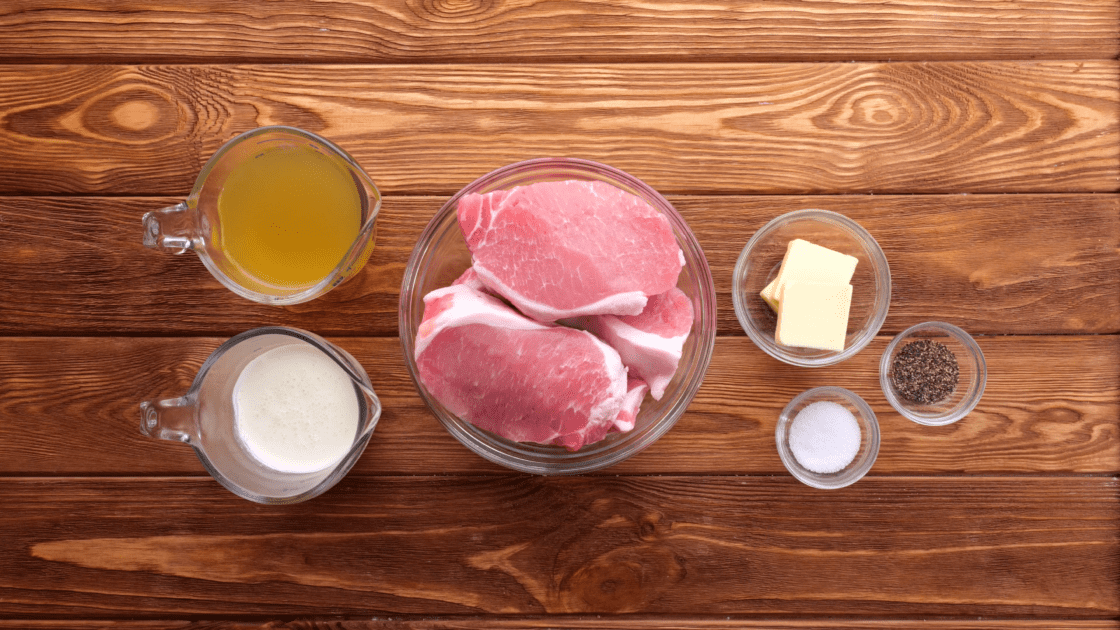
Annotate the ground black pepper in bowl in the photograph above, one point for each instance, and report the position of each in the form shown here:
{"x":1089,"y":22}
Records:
{"x":925,"y":372}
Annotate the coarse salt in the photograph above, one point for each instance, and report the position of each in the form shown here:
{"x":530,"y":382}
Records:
{"x":824,"y":437}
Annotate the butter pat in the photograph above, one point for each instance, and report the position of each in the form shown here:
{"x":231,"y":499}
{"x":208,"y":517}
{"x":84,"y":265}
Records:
{"x":814,"y":315}
{"x":806,"y":262}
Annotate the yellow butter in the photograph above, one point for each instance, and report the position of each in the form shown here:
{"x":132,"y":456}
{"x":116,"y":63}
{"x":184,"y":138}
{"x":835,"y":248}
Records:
{"x":806,"y":262}
{"x":814,"y":315}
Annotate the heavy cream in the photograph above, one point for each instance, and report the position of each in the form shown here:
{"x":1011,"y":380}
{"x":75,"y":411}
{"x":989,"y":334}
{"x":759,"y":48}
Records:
{"x":296,"y":410}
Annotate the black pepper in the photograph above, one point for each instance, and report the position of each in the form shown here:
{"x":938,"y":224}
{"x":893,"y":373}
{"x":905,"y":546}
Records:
{"x":925,"y":372}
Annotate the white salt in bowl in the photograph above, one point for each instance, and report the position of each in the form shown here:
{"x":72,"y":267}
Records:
{"x":441,"y":255}
{"x":869,"y":438}
{"x":761,"y":258}
{"x":970,"y":387}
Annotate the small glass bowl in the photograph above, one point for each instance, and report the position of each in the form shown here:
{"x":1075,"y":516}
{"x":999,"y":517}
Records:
{"x":869,"y":438}
{"x":441,"y":254}
{"x":760,"y":260}
{"x":970,"y":387}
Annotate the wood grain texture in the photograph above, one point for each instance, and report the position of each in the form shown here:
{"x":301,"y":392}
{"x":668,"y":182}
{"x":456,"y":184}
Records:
{"x":101,"y":527}
{"x":683,"y":128}
{"x":550,"y":30}
{"x":70,"y":407}
{"x":520,"y":545}
{"x":572,"y":622}
{"x":989,"y":263}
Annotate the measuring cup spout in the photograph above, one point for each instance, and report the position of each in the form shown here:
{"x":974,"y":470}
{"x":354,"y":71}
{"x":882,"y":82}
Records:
{"x":356,"y":374}
{"x":170,"y":229}
{"x":170,"y":419}
{"x":374,"y":406}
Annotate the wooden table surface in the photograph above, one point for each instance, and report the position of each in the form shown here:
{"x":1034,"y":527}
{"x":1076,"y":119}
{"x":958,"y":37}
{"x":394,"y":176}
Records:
{"x":977,"y":140}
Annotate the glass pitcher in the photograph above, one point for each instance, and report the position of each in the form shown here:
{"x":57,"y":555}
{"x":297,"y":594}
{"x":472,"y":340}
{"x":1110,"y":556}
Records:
{"x":283,"y":199}
{"x":204,"y":418}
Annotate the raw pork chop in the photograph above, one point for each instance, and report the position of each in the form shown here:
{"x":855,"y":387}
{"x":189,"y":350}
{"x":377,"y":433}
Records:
{"x":570,"y":248}
{"x":651,"y":343}
{"x":635,"y":391}
{"x":627,"y":416}
{"x":503,"y":372}
{"x":470,"y":279}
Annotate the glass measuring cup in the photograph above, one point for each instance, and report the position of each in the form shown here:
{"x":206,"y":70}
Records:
{"x":204,"y":419}
{"x":196,"y":223}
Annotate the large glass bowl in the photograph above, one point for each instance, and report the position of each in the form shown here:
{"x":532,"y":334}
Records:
{"x":441,"y":255}
{"x":761,"y":259}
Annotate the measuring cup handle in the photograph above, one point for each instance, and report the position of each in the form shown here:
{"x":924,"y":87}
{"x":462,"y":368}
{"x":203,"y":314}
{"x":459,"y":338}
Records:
{"x":169,"y":419}
{"x":171,"y":229}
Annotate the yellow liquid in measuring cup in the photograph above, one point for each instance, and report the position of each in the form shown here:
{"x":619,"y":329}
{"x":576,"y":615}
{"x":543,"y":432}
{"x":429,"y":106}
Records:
{"x":289,"y":215}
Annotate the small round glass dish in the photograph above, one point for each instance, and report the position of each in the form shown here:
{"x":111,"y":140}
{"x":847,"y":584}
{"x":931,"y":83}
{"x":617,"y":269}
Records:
{"x":761,"y":259}
{"x":970,"y":386}
{"x":869,"y":438}
{"x":441,"y":255}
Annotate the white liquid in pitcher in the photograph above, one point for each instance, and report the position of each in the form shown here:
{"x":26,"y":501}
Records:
{"x":296,"y":410}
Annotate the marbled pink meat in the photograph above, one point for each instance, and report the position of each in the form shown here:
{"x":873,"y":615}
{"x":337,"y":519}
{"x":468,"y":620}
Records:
{"x":470,"y":278}
{"x":521,"y":379}
{"x":635,"y":391}
{"x":651,"y":343}
{"x":627,"y":416}
{"x":570,"y":248}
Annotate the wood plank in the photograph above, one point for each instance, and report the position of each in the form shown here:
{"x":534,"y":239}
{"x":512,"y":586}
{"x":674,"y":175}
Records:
{"x":1042,"y":547}
{"x":1019,"y":264}
{"x":70,"y":407}
{"x":549,"y":30}
{"x":573,"y":622}
{"x":683,"y":128}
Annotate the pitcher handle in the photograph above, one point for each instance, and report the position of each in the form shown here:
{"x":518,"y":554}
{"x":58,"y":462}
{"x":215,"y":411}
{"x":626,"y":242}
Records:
{"x":170,"y":229}
{"x":169,"y":419}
